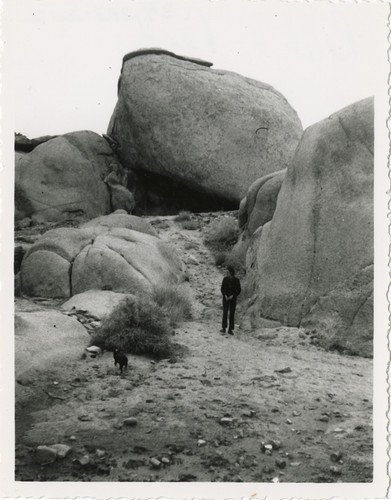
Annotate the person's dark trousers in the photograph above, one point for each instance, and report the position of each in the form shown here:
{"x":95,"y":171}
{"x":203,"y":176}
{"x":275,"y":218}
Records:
{"x":229,"y":305}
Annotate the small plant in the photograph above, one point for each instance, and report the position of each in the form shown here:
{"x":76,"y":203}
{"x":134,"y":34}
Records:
{"x":222,"y":234}
{"x":136,"y":326}
{"x":190,"y":225}
{"x":184,"y":215}
{"x":174,"y":303}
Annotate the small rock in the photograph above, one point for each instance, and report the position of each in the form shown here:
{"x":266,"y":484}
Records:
{"x":296,"y":413}
{"x":165,"y":460}
{"x":72,"y":438}
{"x":335,"y":470}
{"x":295,"y":464}
{"x":94,"y":349}
{"x":226,"y":421}
{"x":84,"y":418}
{"x":324,"y":418}
{"x":288,"y":421}
{"x":155,"y":462}
{"x":62,"y":449}
{"x":275,"y":480}
{"x":82,"y":461}
{"x":45,"y":455}
{"x":276,"y":444}
{"x":130,"y":422}
{"x":281,"y":463}
{"x":100,"y":453}
{"x":338,"y":430}
{"x":201,"y":442}
{"x":336,"y":456}
{"x":284,"y":370}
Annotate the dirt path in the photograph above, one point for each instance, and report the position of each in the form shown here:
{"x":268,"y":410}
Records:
{"x":209,"y":415}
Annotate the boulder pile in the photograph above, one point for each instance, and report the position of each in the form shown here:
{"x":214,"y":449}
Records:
{"x":122,"y":255}
{"x":312,"y":262}
{"x":71,"y":176}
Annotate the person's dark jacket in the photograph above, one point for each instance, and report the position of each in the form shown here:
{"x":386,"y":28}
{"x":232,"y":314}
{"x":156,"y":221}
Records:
{"x":231,"y":286}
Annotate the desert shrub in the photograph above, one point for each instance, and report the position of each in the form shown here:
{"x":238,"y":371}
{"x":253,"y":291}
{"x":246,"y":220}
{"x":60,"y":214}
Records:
{"x":136,"y":326}
{"x":190,"y":225}
{"x":236,"y":258}
{"x":222,"y":234}
{"x":183,"y":215}
{"x":220,"y":258}
{"x":174,"y":303}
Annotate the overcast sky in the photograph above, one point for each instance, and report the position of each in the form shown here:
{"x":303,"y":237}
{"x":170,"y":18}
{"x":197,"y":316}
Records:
{"x":64,"y":56}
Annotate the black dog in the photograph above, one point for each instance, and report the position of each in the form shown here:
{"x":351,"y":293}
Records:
{"x":120,"y":359}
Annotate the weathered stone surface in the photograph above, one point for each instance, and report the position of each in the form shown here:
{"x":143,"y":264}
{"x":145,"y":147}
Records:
{"x":63,"y":178}
{"x":180,"y":119}
{"x":45,"y":274}
{"x":43,"y":339}
{"x":122,"y":220}
{"x":102,"y":255}
{"x":125,"y":261}
{"x":259,"y":204}
{"x":343,"y":319}
{"x":99,"y":303}
{"x":321,"y":235}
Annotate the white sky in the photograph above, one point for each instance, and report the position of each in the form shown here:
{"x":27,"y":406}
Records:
{"x":65,"y":56}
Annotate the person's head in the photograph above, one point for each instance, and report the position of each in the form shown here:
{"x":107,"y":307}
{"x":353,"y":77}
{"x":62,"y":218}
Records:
{"x":231,"y":270}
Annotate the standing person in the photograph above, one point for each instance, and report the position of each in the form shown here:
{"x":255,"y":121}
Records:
{"x":230,"y":288}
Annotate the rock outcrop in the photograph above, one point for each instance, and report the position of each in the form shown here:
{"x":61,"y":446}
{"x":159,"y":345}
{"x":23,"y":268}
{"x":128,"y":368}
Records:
{"x":321,"y":236}
{"x":214,"y":132}
{"x":43,"y":339}
{"x":68,"y":261}
{"x":64,"y":178}
{"x":259,"y":204}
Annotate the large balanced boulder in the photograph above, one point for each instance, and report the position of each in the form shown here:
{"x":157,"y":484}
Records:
{"x":213,"y":131}
{"x":64,"y":178}
{"x":68,"y":261}
{"x":321,"y":234}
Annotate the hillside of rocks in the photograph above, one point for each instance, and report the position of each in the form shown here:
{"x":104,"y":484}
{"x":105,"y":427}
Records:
{"x":313,"y":262}
{"x":72,"y":176}
{"x":207,"y":131}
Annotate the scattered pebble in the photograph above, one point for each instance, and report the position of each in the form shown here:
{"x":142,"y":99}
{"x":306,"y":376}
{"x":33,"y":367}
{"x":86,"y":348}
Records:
{"x":82,"y":461}
{"x":335,"y":470}
{"x":288,"y":421}
{"x":45,"y":454}
{"x":281,"y":463}
{"x":324,"y":418}
{"x":94,"y":349}
{"x":201,"y":442}
{"x":62,"y":450}
{"x":100,"y":453}
{"x":336,"y":456}
{"x":226,"y":421}
{"x":155,"y":462}
{"x":165,"y":460}
{"x":295,"y":464}
{"x":130,"y":422}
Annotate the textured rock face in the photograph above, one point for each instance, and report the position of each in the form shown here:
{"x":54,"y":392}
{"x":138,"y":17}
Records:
{"x":99,"y":303}
{"x":321,"y":235}
{"x":200,"y":127}
{"x":259,"y":204}
{"x":43,"y":339}
{"x":69,"y":261}
{"x":64,"y":178}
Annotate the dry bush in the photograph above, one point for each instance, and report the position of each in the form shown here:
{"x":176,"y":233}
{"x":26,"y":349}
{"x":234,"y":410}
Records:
{"x":184,"y":215}
{"x":222,"y":234}
{"x":174,"y":302}
{"x":138,"y":326}
{"x":190,"y":225}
